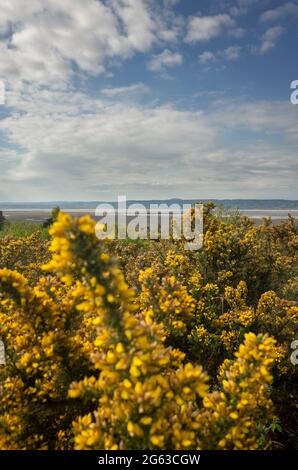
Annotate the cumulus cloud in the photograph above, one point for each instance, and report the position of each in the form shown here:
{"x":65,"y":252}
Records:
{"x":60,"y":142}
{"x":231,"y":53}
{"x":160,"y":62}
{"x":270,"y":38}
{"x":45,"y":39}
{"x":207,"y":57}
{"x":204,"y":28}
{"x":119,"y":143}
{"x":72,"y":146}
{"x":281,"y":12}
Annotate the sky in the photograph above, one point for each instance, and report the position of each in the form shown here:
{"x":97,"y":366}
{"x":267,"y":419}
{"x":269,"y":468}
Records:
{"x":151,"y":99}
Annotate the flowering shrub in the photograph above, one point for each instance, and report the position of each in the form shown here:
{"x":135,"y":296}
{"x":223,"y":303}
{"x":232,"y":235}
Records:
{"x":232,"y":420}
{"x":25,"y":255}
{"x":189,"y":357}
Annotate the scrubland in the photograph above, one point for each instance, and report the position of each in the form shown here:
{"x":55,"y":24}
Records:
{"x":113,"y":345}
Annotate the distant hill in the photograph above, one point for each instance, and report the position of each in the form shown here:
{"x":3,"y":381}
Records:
{"x":242,"y":204}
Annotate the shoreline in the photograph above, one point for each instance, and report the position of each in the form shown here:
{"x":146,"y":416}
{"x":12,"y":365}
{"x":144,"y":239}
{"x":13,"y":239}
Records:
{"x":40,"y":215}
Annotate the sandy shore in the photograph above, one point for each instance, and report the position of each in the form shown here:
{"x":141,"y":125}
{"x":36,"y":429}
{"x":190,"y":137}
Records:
{"x":40,"y":215}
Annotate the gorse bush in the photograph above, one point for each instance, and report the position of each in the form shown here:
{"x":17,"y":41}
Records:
{"x":25,"y":255}
{"x":2,"y":220}
{"x":113,"y":345}
{"x":53,"y":217}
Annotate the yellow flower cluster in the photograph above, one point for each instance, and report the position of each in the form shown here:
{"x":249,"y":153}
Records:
{"x":145,"y":401}
{"x":236,"y":416}
{"x":166,"y":301}
{"x":93,"y":363}
{"x":25,"y":255}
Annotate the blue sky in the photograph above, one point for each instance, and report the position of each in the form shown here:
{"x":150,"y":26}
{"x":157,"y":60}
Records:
{"x":148,"y":98}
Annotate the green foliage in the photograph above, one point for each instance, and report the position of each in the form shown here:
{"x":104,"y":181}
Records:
{"x":2,"y":220}
{"x":22,"y":229}
{"x":53,"y":217}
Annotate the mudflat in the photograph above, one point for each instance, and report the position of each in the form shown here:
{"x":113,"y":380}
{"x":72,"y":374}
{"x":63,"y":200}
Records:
{"x":40,"y":215}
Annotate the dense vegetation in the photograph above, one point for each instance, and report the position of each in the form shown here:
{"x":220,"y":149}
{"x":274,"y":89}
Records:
{"x":113,"y":345}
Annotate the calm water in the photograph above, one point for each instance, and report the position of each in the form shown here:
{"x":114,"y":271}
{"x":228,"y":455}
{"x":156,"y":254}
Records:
{"x":39,"y":215}
{"x":273,"y":213}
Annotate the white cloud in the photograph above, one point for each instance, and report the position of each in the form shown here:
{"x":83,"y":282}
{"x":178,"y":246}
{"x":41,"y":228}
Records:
{"x":281,"y":12}
{"x":259,"y":116}
{"x":204,"y":28}
{"x":72,"y":146}
{"x":270,"y":38}
{"x":116,"y":92}
{"x":207,"y":57}
{"x":232,"y":53}
{"x":59,"y":142}
{"x":242,"y":7}
{"x":160,"y":62}
{"x":45,"y":39}
{"x":86,"y":143}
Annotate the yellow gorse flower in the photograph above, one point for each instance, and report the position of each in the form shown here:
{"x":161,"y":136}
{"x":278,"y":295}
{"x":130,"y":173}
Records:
{"x":102,"y":365}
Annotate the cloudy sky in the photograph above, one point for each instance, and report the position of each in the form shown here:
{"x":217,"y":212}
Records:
{"x":148,"y":98}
